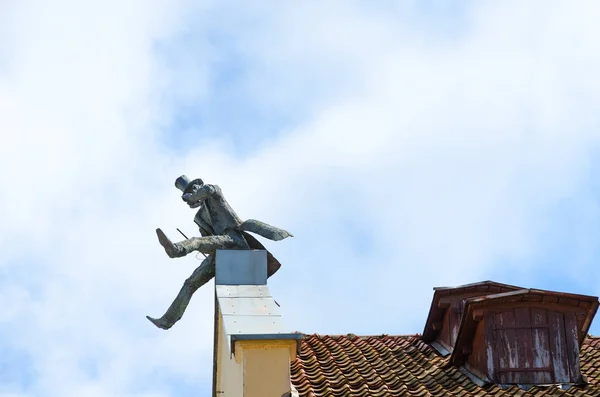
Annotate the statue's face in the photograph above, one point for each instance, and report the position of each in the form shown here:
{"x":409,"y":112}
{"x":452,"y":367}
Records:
{"x":189,"y":196}
{"x":195,"y":187}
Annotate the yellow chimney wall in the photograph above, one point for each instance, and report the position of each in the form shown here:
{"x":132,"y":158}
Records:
{"x":267,"y":367}
{"x":260,"y":368}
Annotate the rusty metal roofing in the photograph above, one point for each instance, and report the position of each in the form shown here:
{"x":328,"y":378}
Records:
{"x":406,"y":366}
{"x":480,"y":285}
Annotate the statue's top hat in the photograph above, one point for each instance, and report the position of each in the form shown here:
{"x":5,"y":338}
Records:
{"x":183,"y":183}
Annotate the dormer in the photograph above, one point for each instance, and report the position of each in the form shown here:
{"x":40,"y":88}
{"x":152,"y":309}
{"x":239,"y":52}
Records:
{"x":524,"y":337}
{"x":445,"y":314}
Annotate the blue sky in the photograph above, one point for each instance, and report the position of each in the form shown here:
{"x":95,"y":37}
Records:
{"x":406,"y":145}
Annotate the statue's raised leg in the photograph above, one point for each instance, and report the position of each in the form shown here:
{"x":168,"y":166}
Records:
{"x":206,"y":245}
{"x":199,"y":277}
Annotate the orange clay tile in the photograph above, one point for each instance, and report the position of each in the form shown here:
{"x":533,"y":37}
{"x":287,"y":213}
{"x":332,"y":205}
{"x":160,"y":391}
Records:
{"x":406,"y":366}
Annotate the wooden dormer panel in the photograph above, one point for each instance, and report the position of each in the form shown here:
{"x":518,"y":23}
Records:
{"x":532,"y":346}
{"x":451,"y":323}
{"x":527,"y":337}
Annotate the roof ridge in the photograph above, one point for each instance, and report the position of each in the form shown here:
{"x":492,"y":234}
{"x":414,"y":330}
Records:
{"x":416,"y":335}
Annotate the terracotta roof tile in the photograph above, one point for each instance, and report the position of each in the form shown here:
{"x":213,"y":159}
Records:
{"x":406,"y":366}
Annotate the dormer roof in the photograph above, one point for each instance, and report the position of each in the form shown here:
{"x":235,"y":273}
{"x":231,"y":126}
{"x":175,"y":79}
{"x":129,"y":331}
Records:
{"x":446,"y":311}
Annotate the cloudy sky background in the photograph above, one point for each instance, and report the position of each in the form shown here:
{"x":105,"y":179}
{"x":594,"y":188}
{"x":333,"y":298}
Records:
{"x":406,"y":145}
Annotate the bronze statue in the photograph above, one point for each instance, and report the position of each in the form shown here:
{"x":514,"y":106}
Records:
{"x":221,"y":228}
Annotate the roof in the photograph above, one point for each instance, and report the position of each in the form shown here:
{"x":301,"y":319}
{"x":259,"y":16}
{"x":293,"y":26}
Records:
{"x":405,"y":365}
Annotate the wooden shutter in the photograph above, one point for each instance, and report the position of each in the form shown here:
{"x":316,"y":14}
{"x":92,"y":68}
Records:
{"x":532,"y":345}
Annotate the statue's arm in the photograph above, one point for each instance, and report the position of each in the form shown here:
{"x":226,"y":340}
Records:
{"x":195,"y":198}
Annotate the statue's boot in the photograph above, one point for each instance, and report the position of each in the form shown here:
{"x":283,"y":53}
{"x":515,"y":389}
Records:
{"x":174,"y":250}
{"x":160,"y":322}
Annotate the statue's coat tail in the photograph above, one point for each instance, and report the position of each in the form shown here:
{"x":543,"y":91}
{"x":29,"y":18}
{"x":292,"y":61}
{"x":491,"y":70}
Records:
{"x":272,"y":263}
{"x":265,"y":230}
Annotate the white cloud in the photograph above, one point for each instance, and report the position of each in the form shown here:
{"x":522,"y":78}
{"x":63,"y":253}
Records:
{"x":421,"y":153}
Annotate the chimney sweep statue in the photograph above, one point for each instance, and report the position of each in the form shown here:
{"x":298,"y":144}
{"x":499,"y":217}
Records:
{"x":220,"y":228}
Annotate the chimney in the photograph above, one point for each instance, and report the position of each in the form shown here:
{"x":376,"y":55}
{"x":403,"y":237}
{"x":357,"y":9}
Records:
{"x":511,"y":335}
{"x":253,"y":349}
